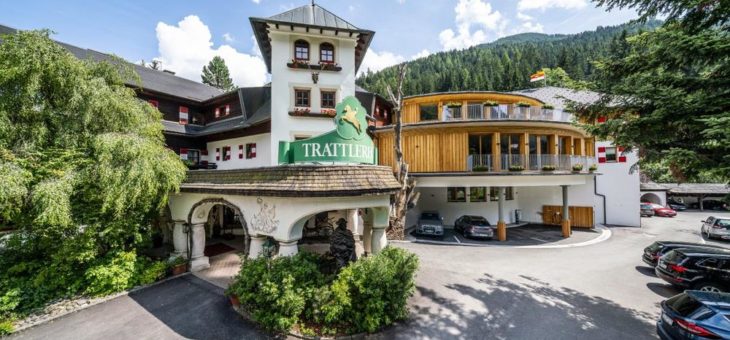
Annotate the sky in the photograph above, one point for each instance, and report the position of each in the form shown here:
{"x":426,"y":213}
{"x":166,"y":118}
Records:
{"x":185,"y":34}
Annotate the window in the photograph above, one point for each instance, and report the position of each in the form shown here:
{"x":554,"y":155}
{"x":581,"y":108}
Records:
{"x":429,"y":112}
{"x":226,"y":153}
{"x":250,"y":150}
{"x":480,"y":144}
{"x":328,"y":99}
{"x":301,"y":50}
{"x":222,"y":111}
{"x":301,"y":98}
{"x":611,"y":154}
{"x":509,"y":194}
{"x":194,"y":156}
{"x":326,"y":53}
{"x":475,"y":111}
{"x":477,"y":194}
{"x":457,"y":194}
{"x":510,"y":144}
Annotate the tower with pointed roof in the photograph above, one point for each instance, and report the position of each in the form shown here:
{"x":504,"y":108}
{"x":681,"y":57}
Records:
{"x":313,"y":56}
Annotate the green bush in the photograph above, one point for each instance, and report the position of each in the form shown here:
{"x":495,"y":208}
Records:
{"x":112,"y":273}
{"x":148,"y":271}
{"x":6,"y":327}
{"x":365,"y":296}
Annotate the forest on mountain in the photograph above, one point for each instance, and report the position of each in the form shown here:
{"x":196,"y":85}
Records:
{"x":506,"y":63}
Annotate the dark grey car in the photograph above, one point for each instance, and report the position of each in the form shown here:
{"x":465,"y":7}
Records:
{"x":474,"y":226}
{"x":430,"y":223}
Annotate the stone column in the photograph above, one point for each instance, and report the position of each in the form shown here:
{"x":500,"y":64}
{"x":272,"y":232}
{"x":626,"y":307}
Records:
{"x":288,"y":248}
{"x":180,"y":239}
{"x":566,"y":213}
{"x":256,"y":248}
{"x":501,"y":225}
{"x":353,"y":223}
{"x":198,"y":259}
{"x":380,"y":223}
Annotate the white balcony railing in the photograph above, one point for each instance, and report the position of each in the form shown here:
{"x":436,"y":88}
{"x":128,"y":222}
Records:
{"x":508,"y":112}
{"x":485,"y":162}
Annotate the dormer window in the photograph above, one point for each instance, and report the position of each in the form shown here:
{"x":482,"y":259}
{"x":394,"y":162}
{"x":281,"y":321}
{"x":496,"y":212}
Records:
{"x":326,"y":53}
{"x":301,"y":50}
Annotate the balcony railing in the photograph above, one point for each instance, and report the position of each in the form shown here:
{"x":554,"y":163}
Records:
{"x":508,"y":112}
{"x":485,"y":162}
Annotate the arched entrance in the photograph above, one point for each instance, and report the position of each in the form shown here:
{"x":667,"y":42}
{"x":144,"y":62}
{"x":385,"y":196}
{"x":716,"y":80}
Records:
{"x":651,"y":198}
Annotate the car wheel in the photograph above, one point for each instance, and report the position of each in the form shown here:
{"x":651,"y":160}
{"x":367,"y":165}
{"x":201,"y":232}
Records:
{"x":709,"y":287}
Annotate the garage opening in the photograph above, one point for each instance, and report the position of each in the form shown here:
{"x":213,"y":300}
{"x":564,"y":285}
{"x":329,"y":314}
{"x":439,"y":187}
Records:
{"x":651,"y":198}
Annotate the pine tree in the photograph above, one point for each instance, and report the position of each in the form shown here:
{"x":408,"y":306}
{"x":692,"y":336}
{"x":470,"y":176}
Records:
{"x":216,"y":74}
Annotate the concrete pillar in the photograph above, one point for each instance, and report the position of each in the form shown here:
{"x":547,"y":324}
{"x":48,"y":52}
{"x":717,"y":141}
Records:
{"x":353,"y":223}
{"x":378,"y":240}
{"x":288,"y":248}
{"x":257,"y":246}
{"x":501,"y":225}
{"x":367,"y":231}
{"x":180,"y":240}
{"x":566,"y":213}
{"x":198,"y":259}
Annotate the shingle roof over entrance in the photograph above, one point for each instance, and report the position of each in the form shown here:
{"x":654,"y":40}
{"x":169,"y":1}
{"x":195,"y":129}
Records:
{"x":295,"y":181}
{"x":313,"y":15}
{"x":688,"y":188}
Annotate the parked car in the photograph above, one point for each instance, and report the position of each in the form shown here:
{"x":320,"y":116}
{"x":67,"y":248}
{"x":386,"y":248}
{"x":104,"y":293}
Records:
{"x":661,"y":210}
{"x":702,"y":269}
{"x":716,"y":227}
{"x":676,"y":205}
{"x":653,"y":252}
{"x":474,"y":226}
{"x":430,"y":223}
{"x":695,"y":315}
{"x":646,"y":210}
{"x":710,"y":205}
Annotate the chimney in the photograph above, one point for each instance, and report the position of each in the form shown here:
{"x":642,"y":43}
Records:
{"x":168,"y":71}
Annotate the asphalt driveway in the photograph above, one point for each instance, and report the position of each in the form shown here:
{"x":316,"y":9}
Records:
{"x":526,"y":235}
{"x":185,"y":307}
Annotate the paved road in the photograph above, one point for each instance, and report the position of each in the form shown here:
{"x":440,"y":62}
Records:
{"x":186,"y":307}
{"x":602,"y":291}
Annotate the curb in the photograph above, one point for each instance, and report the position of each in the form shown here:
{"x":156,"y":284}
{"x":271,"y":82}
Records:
{"x":96,"y":302}
{"x":605,"y":235}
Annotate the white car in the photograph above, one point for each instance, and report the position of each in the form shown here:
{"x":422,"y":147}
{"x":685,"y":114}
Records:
{"x":716,"y":227}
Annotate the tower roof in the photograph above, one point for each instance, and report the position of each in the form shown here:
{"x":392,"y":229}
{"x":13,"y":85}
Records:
{"x":314,"y":17}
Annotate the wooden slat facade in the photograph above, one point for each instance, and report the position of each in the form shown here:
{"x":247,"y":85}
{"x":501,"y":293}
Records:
{"x":580,"y":217}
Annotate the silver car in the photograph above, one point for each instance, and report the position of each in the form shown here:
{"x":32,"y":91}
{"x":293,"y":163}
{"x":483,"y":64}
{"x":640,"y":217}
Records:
{"x":716,"y":227}
{"x":430,"y":223}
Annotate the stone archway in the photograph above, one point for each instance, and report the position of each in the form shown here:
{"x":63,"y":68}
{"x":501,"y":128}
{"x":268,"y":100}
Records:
{"x":651,"y":198}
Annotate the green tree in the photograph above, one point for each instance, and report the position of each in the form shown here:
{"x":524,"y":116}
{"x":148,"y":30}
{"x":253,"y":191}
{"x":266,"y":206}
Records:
{"x":667,"y":92}
{"x":216,"y":74}
{"x":83,"y":168}
{"x":558,"y":77}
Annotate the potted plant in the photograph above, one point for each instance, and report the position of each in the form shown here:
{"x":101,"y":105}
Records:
{"x":577,"y":167}
{"x":548,"y":168}
{"x":516,"y":168}
{"x":480,"y":168}
{"x":454,"y":104}
{"x":301,"y":111}
{"x":178,"y":265}
{"x":298,"y":64}
{"x":491,"y":103}
{"x":328,"y":66}
{"x":329,"y":112}
{"x":592,"y":168}
{"x":522,"y":104}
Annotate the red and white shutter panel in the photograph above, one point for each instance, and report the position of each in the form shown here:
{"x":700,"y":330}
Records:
{"x":228,"y":110}
{"x":217,"y":154}
{"x":226,"y":153}
{"x":601,"y":119}
{"x":253,"y":150}
{"x":601,"y":154}
{"x":154,"y":103}
{"x":204,"y":155}
{"x":184,"y":154}
{"x":217,"y":112}
{"x":183,"y":115}
{"x":240,"y":151}
{"x":620,"y":152}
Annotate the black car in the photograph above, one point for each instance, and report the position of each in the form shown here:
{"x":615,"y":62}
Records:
{"x":695,"y":315}
{"x":676,"y":205}
{"x":473,"y":226}
{"x":702,"y":269}
{"x":653,"y":252}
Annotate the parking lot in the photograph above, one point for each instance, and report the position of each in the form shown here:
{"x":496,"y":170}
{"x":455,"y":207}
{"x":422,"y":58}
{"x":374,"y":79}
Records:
{"x":525,"y":235}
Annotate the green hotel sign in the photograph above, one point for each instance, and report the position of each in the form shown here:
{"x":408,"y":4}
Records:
{"x":348,"y":143}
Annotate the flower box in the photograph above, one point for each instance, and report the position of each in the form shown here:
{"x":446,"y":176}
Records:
{"x":516,"y":168}
{"x":548,"y":168}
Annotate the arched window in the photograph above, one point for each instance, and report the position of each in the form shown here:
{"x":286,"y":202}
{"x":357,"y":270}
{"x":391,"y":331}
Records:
{"x":326,"y":53}
{"x":301,"y":50}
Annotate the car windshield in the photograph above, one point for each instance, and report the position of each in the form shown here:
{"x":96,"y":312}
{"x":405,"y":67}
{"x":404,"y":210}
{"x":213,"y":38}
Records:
{"x":478,"y":220}
{"x":430,"y":216}
{"x":683,"y":304}
{"x":646,"y":206}
{"x":723,"y":223}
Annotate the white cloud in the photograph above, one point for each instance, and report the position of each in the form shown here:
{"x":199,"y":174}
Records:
{"x":472,"y":13}
{"x":187,"y":47}
{"x":228,"y":38}
{"x":375,"y":61}
{"x":256,"y":1}
{"x":529,"y":24}
{"x":545,"y":4}
{"x":424,"y":53}
{"x":524,"y":17}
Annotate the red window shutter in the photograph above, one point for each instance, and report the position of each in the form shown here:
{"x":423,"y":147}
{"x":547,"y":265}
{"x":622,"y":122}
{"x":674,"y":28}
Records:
{"x":183,"y":150}
{"x":217,"y":112}
{"x":240,"y":152}
{"x":204,"y":152}
{"x":601,"y":149}
{"x":228,"y":110}
{"x":601,"y":119}
{"x":183,"y":114}
{"x":601,"y":159}
{"x":620,"y":149}
{"x":154,"y":103}
{"x":217,"y":154}
{"x":622,"y":159}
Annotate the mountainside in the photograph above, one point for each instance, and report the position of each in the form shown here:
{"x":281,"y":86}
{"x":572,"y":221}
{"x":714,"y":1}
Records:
{"x":505,"y":64}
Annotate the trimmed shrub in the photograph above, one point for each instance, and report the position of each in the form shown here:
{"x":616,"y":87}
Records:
{"x":6,"y":327}
{"x":365,"y":296}
{"x":112,"y":273}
